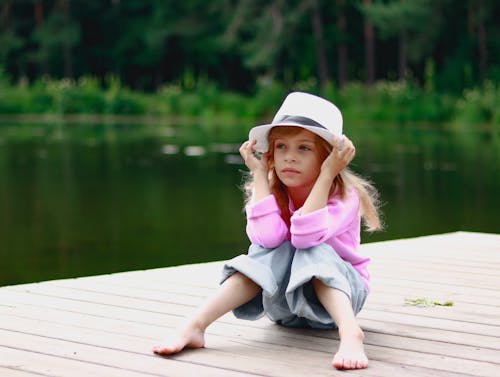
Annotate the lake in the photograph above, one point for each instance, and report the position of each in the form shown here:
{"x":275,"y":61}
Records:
{"x":89,"y":198}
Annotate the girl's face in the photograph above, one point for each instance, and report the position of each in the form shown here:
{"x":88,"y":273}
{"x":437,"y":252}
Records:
{"x":297,"y":158}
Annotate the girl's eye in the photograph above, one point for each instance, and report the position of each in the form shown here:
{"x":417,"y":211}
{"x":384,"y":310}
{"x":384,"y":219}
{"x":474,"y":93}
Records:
{"x":304,"y":148}
{"x":280,"y":145}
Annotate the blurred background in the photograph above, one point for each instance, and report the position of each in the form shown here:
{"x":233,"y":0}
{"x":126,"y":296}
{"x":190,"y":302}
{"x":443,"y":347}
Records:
{"x":120,"y":120}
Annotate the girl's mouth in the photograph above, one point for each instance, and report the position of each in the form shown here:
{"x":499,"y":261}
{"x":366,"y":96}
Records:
{"x":290,"y":170}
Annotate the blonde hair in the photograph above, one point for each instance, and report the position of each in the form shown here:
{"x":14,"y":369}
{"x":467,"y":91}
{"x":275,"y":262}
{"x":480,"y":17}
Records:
{"x":342,"y":183}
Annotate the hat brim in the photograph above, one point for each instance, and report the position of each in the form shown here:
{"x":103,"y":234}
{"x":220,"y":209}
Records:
{"x":261,"y":133}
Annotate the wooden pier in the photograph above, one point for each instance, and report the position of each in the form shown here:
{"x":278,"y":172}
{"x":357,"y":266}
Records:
{"x":106,"y":325}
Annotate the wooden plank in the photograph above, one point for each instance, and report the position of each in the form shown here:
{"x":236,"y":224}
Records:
{"x":476,"y":313}
{"x":111,"y":321}
{"x":375,"y":342}
{"x":14,"y":372}
{"x":443,"y":278}
{"x":404,"y":257}
{"x":45,"y":364}
{"x":432,"y":334}
{"x":380,"y":285}
{"x":151,"y":331}
{"x":285,"y":360}
{"x":436,"y":319}
{"x":476,"y":324}
{"x":215,"y":360}
{"x":430,"y":322}
{"x":383,"y":294}
{"x":468,"y":294}
{"x":295,"y":340}
{"x":104,"y":361}
{"x":415,"y":269}
{"x":449,"y":314}
{"x":485,"y":311}
{"x":479,"y":313}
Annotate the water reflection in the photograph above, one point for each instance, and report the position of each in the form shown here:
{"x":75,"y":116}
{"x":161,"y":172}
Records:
{"x":88,"y":199}
{"x":170,"y":149}
{"x":195,"y":150}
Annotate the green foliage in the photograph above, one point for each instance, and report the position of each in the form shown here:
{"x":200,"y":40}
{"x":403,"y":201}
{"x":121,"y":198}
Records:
{"x":479,"y":105}
{"x":150,"y":44}
{"x":72,"y":97}
{"x":398,"y":16}
{"x":55,"y":37}
{"x":393,"y":102}
{"x":385,"y":102}
{"x":10,"y":43}
{"x":121,"y":100}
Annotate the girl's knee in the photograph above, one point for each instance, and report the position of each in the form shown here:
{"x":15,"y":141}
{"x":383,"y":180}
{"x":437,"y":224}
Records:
{"x":317,"y":283}
{"x":319,"y":286}
{"x":242,"y":280}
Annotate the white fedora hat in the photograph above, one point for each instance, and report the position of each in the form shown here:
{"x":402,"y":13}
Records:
{"x":302,"y":110}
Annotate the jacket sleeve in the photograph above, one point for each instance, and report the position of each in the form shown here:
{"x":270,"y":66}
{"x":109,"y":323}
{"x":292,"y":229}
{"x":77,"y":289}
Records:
{"x":265,"y":226}
{"x":314,"y":228}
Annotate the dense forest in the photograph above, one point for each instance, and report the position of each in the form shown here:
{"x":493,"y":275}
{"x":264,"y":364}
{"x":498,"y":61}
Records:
{"x":449,"y":44}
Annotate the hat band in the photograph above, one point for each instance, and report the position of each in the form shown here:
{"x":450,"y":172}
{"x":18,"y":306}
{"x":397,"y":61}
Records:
{"x":299,"y":119}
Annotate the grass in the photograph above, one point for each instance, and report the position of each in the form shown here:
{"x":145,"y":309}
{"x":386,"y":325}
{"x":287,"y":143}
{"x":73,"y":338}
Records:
{"x":426,"y":302}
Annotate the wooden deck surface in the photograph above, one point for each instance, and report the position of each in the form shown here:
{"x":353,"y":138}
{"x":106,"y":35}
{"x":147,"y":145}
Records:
{"x":106,"y":325}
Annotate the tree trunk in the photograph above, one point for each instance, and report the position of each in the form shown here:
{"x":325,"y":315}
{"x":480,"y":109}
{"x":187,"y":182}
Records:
{"x":67,"y":48}
{"x":403,"y":55}
{"x":369,"y":48}
{"x":342,"y":48}
{"x":277,"y":29}
{"x":322,"y":63}
{"x":481,"y":39}
{"x":5,"y":15}
{"x":476,"y":15}
{"x":38,"y":12}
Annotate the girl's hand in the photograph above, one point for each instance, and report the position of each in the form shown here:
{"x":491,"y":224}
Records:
{"x":257,"y":163}
{"x":339,"y":158}
{"x":253,"y":160}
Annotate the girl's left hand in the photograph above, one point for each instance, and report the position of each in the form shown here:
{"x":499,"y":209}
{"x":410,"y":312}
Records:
{"x":342,"y":154}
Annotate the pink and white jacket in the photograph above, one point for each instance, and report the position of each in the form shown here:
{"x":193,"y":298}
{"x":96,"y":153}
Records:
{"x":338,"y":224}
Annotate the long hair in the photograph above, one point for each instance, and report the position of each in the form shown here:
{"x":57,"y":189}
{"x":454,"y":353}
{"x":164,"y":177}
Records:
{"x":342,"y":183}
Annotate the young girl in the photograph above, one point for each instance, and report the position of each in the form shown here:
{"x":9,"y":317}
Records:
{"x":304,"y":209}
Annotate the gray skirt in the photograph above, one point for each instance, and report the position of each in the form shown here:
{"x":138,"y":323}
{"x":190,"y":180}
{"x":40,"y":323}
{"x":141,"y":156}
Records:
{"x":284,"y":274}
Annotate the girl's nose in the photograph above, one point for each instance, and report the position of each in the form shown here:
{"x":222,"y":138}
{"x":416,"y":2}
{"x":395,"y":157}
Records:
{"x":290,"y":155}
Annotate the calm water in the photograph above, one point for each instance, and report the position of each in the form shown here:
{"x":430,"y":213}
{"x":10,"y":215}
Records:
{"x":85,"y":199}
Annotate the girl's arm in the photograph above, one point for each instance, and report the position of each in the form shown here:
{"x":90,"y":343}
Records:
{"x":337,"y":160}
{"x":265,"y":225}
{"x":340,"y":218}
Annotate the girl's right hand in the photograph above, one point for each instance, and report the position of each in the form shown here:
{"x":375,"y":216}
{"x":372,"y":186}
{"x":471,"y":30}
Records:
{"x":253,"y":161}
{"x":342,"y":154}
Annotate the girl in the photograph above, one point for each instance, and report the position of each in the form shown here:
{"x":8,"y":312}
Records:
{"x":304,"y":209}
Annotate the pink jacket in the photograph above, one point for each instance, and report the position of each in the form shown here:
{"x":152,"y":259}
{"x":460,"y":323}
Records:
{"x":338,"y":225}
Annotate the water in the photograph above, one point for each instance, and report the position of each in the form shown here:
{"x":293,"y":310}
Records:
{"x":86,"y":199}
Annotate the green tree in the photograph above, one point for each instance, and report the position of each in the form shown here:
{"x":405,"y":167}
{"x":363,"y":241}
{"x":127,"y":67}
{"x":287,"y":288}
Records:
{"x":319,"y":41}
{"x":238,"y":43}
{"x":404,"y":19}
{"x":479,"y":15}
{"x":369,"y":38}
{"x":11,"y":43}
{"x":56,"y":37}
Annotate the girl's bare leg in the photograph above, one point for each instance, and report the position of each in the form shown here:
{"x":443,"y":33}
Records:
{"x":235,"y":291}
{"x":351,"y":353}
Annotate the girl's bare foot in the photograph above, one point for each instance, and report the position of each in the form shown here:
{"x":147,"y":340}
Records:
{"x":191,"y":337}
{"x":351,"y":353}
